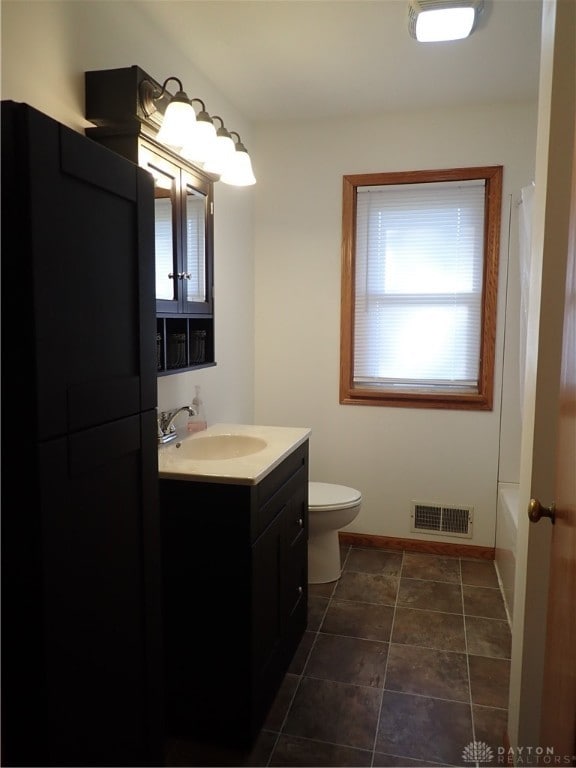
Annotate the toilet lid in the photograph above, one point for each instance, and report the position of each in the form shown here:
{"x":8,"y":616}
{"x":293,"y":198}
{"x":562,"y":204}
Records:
{"x":330,"y":496}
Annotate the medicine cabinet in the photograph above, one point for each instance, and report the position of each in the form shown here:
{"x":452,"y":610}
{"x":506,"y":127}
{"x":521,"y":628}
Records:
{"x":184,"y":215}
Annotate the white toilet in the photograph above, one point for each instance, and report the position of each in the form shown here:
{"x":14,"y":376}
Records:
{"x":330,"y":507}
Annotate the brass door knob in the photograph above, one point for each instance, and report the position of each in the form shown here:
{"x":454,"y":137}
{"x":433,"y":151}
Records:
{"x":536,"y":511}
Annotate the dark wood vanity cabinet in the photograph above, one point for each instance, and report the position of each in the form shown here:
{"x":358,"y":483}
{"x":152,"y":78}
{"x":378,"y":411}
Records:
{"x":235,"y":598}
{"x":183,"y":216}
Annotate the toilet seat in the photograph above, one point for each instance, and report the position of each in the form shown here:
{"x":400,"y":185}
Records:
{"x":326,"y":496}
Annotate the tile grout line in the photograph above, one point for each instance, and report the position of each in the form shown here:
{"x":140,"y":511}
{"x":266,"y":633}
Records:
{"x":468,"y":637}
{"x":472,"y":720}
{"x":503,"y":596}
{"x":387,"y":661}
{"x":305,"y":664}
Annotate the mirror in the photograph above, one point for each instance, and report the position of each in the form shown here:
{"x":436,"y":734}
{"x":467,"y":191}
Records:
{"x":195,"y":258}
{"x":163,"y":243}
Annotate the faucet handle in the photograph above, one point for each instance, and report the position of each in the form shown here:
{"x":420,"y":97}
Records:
{"x":163,"y":420}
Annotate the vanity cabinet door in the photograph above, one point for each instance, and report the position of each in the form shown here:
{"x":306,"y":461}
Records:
{"x":267,"y":615}
{"x":295,"y":578}
{"x":280,"y":589}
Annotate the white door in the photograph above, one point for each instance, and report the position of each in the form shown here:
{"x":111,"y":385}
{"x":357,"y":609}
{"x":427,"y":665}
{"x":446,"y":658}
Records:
{"x":538,"y":544}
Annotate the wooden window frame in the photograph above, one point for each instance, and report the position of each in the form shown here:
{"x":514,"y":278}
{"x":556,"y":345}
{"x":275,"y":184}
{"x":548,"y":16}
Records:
{"x":482,"y":399}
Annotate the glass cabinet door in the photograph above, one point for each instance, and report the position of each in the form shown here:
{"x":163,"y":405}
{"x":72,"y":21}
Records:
{"x":196,"y":286}
{"x":169,"y":278}
{"x":183,"y":236}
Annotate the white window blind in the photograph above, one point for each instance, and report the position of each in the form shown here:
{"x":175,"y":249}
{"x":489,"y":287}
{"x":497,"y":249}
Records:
{"x":418,"y":285}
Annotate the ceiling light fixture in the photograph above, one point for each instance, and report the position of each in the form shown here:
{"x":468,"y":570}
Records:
{"x":442,"y":20}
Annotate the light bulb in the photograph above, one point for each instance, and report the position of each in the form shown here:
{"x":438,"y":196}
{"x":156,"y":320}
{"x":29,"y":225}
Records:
{"x":444,"y":24}
{"x":199,"y":141}
{"x":239,"y":171}
{"x":221,"y":152}
{"x":178,"y":122}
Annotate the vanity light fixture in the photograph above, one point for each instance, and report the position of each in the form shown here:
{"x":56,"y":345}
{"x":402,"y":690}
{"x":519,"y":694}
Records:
{"x":442,"y":20}
{"x":239,"y":171}
{"x":194,"y":135}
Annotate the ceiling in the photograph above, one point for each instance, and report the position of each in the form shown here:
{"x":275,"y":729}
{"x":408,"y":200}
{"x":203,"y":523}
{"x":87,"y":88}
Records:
{"x":306,"y":59}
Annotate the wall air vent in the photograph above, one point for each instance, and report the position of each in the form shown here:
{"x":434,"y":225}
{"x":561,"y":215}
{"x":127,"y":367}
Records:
{"x":441,"y":519}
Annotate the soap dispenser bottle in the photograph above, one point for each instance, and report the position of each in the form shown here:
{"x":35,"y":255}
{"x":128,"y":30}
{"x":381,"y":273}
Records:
{"x":198,"y":422}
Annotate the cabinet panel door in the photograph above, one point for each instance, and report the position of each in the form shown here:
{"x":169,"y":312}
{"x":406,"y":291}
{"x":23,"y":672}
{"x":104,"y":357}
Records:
{"x":78,"y":639}
{"x":267,"y":618}
{"x":77,"y":239}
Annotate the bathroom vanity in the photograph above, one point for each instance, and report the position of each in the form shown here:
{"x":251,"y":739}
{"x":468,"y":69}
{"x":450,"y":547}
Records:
{"x":234,"y":540}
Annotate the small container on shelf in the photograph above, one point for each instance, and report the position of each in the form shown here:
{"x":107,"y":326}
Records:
{"x":177,"y":350}
{"x":197,"y":346}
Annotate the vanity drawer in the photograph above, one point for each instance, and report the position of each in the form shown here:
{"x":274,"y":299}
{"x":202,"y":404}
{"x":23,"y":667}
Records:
{"x":296,"y":515}
{"x":270,"y":485}
{"x":293,"y":488}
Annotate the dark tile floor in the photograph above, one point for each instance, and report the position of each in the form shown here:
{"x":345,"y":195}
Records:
{"x":405,"y":662}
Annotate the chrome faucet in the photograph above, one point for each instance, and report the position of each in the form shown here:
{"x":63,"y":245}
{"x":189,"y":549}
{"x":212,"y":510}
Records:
{"x":166,"y":428}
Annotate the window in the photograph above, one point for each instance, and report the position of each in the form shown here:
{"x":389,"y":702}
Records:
{"x":419,"y":288}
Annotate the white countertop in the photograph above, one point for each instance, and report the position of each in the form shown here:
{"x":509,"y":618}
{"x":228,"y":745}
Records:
{"x":242,"y":470}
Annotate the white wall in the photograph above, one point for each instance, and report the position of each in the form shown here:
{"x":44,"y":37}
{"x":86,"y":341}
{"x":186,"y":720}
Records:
{"x":286,"y":304}
{"x":392,"y":455}
{"x":46,"y":48}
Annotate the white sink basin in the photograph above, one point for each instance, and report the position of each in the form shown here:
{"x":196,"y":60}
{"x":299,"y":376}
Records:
{"x":240,"y":454}
{"x":220,"y":447}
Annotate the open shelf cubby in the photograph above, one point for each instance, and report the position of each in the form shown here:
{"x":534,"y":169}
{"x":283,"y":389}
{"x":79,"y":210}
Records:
{"x":184,"y":343}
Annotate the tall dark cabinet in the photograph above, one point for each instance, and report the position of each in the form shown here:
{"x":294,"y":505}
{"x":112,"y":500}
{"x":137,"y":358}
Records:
{"x":81,"y":631}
